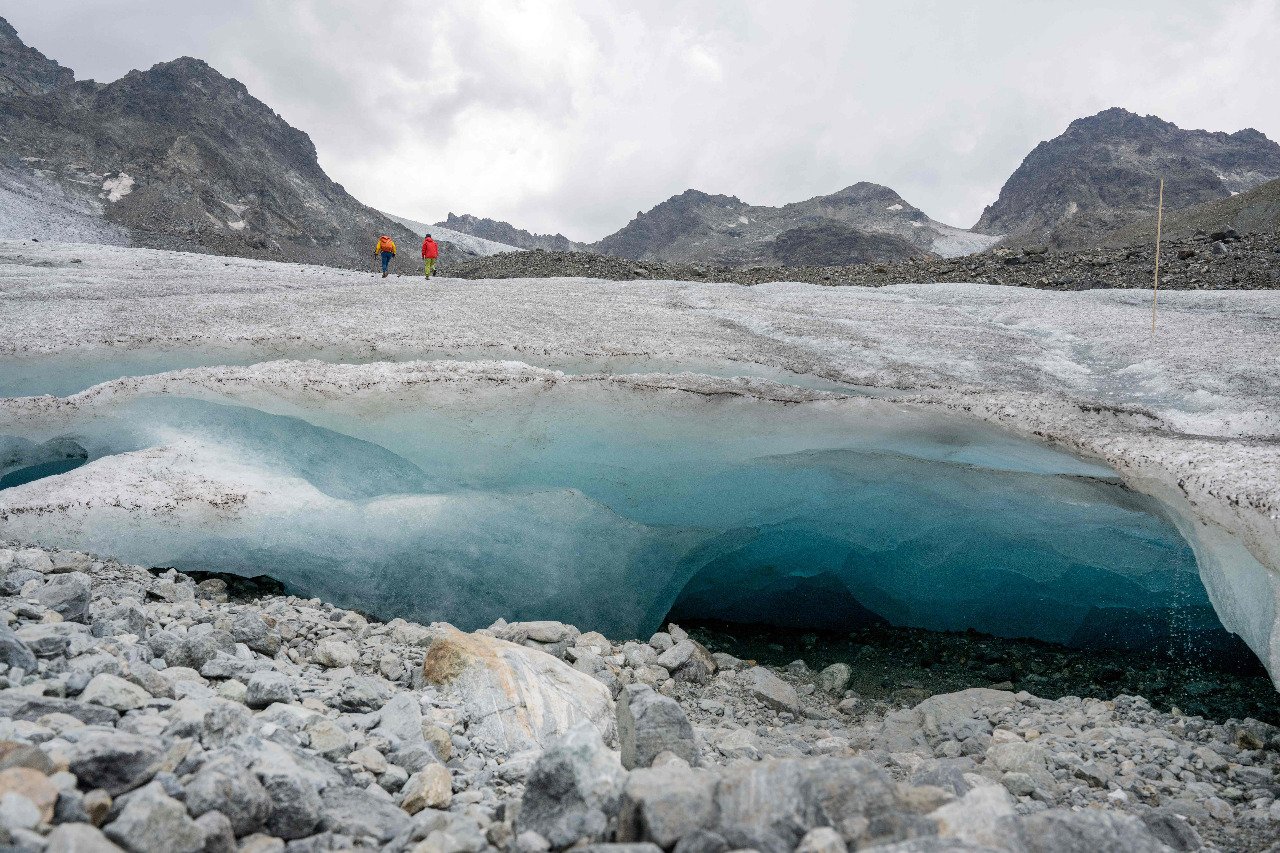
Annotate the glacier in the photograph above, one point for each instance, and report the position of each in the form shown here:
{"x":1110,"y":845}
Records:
{"x":1022,"y":462}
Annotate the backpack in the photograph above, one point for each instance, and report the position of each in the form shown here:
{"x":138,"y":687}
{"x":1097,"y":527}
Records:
{"x":385,"y":244}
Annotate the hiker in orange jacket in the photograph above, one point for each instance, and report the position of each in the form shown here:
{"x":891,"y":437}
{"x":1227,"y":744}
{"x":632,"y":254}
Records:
{"x":386,"y":248}
{"x":430,"y":251}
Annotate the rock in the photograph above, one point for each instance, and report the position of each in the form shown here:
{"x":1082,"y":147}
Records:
{"x":14,"y":754}
{"x":268,"y":687}
{"x":431,"y":787}
{"x":768,"y":688}
{"x":32,"y":785}
{"x":17,"y":813}
{"x":401,"y":718}
{"x":328,"y":738}
{"x":1172,"y":829}
{"x":79,"y":838}
{"x":545,"y":631}
{"x":976,"y":817}
{"x":822,"y":839}
{"x":154,"y":822}
{"x":1022,"y":758}
{"x":14,"y":652}
{"x":537,"y":697}
{"x":573,"y":789}
{"x":369,"y":759}
{"x":360,"y":814}
{"x":634,"y":847}
{"x":251,"y":629}
{"x":362,"y":694}
{"x":649,"y":723}
{"x":67,"y":595}
{"x":1091,"y":831}
{"x":97,"y":804}
{"x":334,"y":654}
{"x":740,"y":744}
{"x":771,"y":805}
{"x":219,"y":837}
{"x":702,"y":841}
{"x":111,"y":691}
{"x":225,"y":784}
{"x":663,"y":805}
{"x":295,"y":803}
{"x":32,"y":708}
{"x":835,"y":678}
{"x":50,"y":639}
{"x":955,"y":716}
{"x":115,"y":761}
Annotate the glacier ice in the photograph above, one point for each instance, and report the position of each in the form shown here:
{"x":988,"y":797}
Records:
{"x":472,"y":492}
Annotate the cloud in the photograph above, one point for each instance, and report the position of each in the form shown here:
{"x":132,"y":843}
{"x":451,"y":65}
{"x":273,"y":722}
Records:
{"x":570,"y":116}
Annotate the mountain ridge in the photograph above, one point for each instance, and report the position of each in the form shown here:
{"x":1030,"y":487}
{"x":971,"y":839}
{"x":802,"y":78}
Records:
{"x":1103,"y":173}
{"x":183,"y":157}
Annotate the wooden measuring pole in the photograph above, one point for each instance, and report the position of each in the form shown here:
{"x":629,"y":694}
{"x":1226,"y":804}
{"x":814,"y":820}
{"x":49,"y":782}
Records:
{"x":1155,"y":285}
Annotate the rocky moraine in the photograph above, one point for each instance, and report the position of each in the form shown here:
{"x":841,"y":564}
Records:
{"x":145,"y":711}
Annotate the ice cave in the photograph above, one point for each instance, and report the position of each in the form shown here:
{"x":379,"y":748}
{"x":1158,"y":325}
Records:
{"x":472,"y":491}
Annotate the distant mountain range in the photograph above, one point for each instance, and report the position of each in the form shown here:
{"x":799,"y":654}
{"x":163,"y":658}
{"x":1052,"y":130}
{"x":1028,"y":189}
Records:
{"x":181,"y":157}
{"x":1091,"y":185}
{"x":175,"y":157}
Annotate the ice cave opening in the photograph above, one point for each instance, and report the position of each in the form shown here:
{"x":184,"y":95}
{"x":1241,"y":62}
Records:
{"x":613,"y":504}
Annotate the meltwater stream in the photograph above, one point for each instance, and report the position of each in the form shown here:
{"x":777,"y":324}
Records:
{"x":610,"y":504}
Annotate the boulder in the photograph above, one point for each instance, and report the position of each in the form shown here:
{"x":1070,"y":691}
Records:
{"x":112,"y":691}
{"x":334,"y":654}
{"x":513,"y":696}
{"x":650,"y":723}
{"x":268,"y":687}
{"x":115,"y":761}
{"x":1089,"y":831}
{"x":360,"y":814}
{"x":22,"y":706}
{"x":33,"y":785}
{"x":68,"y":595}
{"x":665,"y":804}
{"x":769,"y":689}
{"x":225,"y":784}
{"x":429,"y":788}
{"x":835,"y":678}
{"x":976,"y":817}
{"x":14,"y":652}
{"x":154,"y":822}
{"x":79,"y":838}
{"x":771,"y":805}
{"x":573,"y":789}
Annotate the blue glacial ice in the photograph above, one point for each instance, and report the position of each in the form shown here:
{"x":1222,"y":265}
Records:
{"x":611,"y":504}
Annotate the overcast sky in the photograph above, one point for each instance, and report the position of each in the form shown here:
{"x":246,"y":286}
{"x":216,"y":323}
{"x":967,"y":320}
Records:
{"x":571,"y":116}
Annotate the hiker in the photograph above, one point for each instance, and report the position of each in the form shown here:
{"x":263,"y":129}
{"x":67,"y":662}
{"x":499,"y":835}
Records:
{"x":430,"y":251}
{"x":386,"y":247}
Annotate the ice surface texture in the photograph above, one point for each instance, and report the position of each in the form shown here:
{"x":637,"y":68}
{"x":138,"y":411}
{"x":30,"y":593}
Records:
{"x":1190,"y":416}
{"x":466,"y":493}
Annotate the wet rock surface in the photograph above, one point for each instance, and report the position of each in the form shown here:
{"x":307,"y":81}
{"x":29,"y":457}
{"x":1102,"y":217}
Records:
{"x":106,"y":743}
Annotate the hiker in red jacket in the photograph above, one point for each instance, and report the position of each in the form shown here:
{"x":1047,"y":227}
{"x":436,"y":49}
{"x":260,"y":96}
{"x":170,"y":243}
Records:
{"x":430,"y":251}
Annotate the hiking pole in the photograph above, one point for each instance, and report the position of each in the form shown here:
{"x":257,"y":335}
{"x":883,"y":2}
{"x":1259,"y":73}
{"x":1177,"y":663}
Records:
{"x":1155,"y":284}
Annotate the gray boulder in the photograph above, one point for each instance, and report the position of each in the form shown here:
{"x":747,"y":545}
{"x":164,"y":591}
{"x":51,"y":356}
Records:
{"x":362,"y":694}
{"x":768,"y":688}
{"x":68,"y":595}
{"x":79,"y":838}
{"x":154,"y":822}
{"x":835,"y":678}
{"x":251,"y":629}
{"x":665,"y":804}
{"x":573,"y":789}
{"x":268,"y":687}
{"x":770,"y":806}
{"x":115,"y":761}
{"x":1089,"y":831}
{"x":17,"y":706}
{"x":296,"y":804}
{"x":14,"y":652}
{"x":225,"y":784}
{"x":360,"y":814}
{"x":650,"y":723}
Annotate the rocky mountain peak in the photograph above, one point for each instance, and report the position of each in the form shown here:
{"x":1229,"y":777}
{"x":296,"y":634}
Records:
{"x":1103,"y":171}
{"x":504,"y":232}
{"x":25,"y":70}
